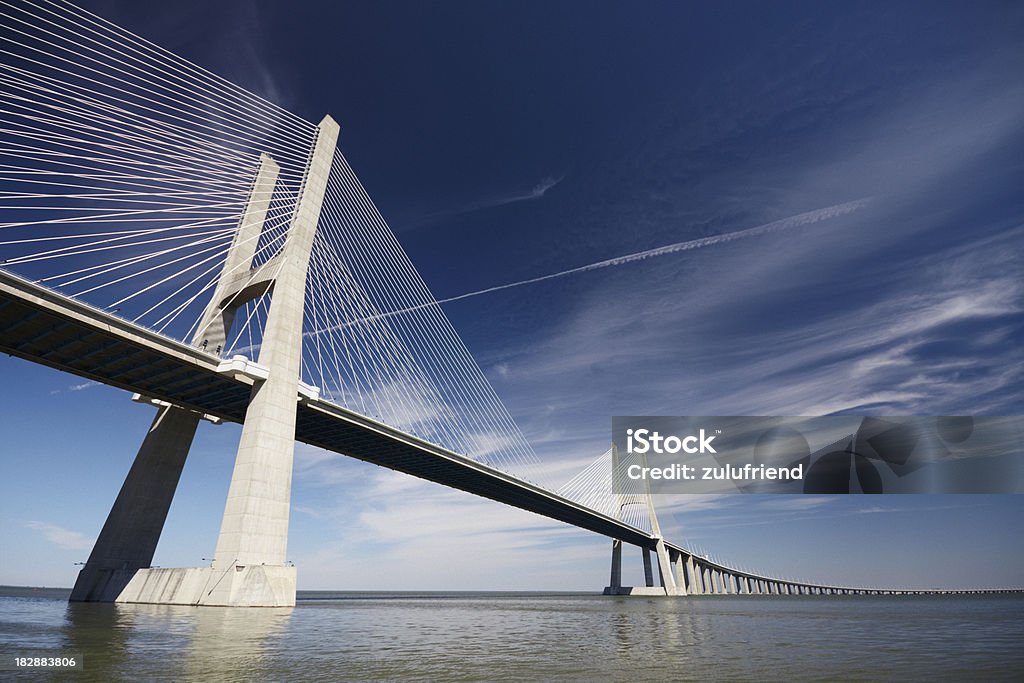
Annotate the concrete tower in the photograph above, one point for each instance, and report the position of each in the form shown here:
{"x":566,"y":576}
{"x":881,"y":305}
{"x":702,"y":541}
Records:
{"x":249,"y":567}
{"x":667,"y":577}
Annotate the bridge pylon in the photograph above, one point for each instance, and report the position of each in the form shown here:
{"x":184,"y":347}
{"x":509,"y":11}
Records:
{"x":249,"y":566}
{"x":667,"y":584}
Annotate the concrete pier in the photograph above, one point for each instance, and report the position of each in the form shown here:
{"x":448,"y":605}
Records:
{"x":133,"y":527}
{"x":130,"y":534}
{"x":254,"y":530}
{"x":249,"y":566}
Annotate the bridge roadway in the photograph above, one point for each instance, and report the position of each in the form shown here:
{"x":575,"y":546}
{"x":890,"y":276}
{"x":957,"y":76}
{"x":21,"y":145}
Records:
{"x":46,"y":327}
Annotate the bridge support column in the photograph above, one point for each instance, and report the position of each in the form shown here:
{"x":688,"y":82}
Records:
{"x":249,"y":567}
{"x":129,"y":537}
{"x":668,"y":579}
{"x":616,"y":578}
{"x":254,"y":530}
{"x":695,"y":586}
{"x":668,"y":569}
{"x":648,"y":570}
{"x":676,"y":560}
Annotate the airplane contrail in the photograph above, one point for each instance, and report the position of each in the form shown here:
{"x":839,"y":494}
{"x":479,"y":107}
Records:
{"x":782,"y":224}
{"x":798,"y":220}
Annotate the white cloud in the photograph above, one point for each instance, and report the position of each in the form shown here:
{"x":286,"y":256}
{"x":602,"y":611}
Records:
{"x":799,"y":503}
{"x":77,"y":387}
{"x":538,"y":191}
{"x":65,"y":538}
{"x":430,"y":536}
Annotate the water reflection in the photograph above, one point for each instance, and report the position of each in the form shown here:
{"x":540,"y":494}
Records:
{"x":183,"y":642}
{"x":232,"y":644}
{"x":100,"y":633}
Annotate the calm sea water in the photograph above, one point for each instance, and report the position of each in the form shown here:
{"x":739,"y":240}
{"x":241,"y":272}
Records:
{"x":517,"y":636}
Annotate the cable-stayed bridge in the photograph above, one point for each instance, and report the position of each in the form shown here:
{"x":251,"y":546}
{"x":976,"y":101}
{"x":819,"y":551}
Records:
{"x":169,"y":233}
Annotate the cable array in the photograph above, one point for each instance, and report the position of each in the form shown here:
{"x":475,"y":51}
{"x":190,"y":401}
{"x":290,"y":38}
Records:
{"x":378,"y":343}
{"x":124,"y":169}
{"x":604,"y":487}
{"x":125,"y":175}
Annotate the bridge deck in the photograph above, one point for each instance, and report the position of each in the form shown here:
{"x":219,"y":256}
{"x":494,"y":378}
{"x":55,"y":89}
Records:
{"x":45,"y":327}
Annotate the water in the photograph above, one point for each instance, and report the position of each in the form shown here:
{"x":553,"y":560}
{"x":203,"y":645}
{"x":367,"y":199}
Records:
{"x":518,"y":636}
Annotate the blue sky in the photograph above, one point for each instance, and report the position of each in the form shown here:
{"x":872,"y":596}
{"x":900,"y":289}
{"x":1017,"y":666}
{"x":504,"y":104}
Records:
{"x":506,"y":141}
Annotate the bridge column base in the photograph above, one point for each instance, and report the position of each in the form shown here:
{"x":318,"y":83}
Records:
{"x":636,"y":590}
{"x":238,"y":586}
{"x":100,"y":585}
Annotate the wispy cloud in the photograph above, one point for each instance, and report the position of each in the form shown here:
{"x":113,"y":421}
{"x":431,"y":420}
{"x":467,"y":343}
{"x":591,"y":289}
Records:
{"x":798,"y":503}
{"x":65,"y":538}
{"x":905,"y":345}
{"x":457,"y":539}
{"x":538,"y":191}
{"x":77,"y":387}
{"x":874,"y":509}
